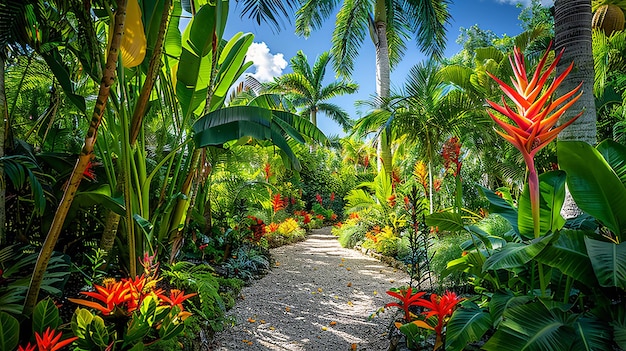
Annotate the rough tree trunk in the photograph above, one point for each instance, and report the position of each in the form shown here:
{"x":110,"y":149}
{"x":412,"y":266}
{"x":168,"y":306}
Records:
{"x":85,"y":156}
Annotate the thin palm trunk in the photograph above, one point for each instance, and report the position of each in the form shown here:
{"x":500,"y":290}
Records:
{"x":3,"y":118}
{"x":384,"y":154}
{"x":84,"y":158}
{"x":572,"y":22}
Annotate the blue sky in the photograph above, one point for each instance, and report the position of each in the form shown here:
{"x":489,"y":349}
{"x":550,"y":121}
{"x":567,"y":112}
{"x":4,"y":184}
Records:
{"x":271,"y":51}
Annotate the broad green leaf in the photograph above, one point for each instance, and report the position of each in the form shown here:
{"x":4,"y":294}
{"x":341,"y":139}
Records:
{"x":448,"y":221}
{"x":592,"y":334}
{"x":231,"y":59}
{"x":594,"y":186}
{"x":531,"y":327}
{"x":608,"y":261}
{"x":45,"y":315}
{"x":569,"y":255}
{"x":9,"y":331}
{"x":98,"y":332}
{"x":100,"y":196}
{"x":615,"y":154}
{"x":515,"y":254}
{"x":80,"y":322}
{"x":618,"y":324}
{"x":467,"y":324}
{"x":172,"y":325}
{"x":500,"y":206}
{"x":172,"y":44}
{"x":551,"y":197}
{"x":501,"y":300}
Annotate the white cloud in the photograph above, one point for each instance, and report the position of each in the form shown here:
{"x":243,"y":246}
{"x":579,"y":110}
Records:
{"x":525,"y":2}
{"x":267,"y":66}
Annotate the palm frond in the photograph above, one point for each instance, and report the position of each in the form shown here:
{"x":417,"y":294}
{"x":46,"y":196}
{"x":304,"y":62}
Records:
{"x":337,"y":114}
{"x":272,"y":12}
{"x":349,"y":33}
{"x":312,"y":15}
{"x":428,"y":20}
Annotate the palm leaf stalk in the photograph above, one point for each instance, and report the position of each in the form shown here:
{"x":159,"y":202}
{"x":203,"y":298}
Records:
{"x":84,"y":159}
{"x":535,"y":116}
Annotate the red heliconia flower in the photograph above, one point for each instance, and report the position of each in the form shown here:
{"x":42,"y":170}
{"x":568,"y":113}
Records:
{"x":391,"y":200}
{"x":451,"y":153}
{"x":332,"y":197}
{"x":28,"y":347}
{"x":89,"y":173}
{"x":50,"y":340}
{"x":535,"y":116}
{"x":407,"y":299}
{"x":176,"y":298}
{"x":203,"y":246}
{"x":307,"y":218}
{"x":318,"y":197}
{"x":395,"y":178}
{"x":277,"y":203}
{"x":366,"y":161}
{"x":267,"y":170}
{"x":442,"y":307}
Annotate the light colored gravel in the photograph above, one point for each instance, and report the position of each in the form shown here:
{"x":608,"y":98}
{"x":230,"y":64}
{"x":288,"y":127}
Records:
{"x":317,"y":297}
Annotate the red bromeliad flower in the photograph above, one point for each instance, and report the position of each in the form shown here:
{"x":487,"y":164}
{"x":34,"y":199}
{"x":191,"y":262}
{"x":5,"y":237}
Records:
{"x":28,"y":347}
{"x":442,"y":307}
{"x":318,"y":197}
{"x":451,"y":153}
{"x":176,"y":298}
{"x":49,"y":341}
{"x":277,"y":203}
{"x":89,"y":173}
{"x":122,"y":297}
{"x":407,"y":299}
{"x":267,"y":170}
{"x":332,"y":197}
{"x":535,"y":115}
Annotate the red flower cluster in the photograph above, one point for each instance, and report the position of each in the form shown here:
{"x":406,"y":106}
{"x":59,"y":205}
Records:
{"x":49,"y":341}
{"x":277,"y":203}
{"x":318,"y":197}
{"x":257,"y":227}
{"x":451,"y":154}
{"x":267,"y":170}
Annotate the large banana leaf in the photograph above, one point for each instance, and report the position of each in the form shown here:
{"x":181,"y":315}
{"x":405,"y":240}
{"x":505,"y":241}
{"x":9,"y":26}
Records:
{"x":532,"y":327}
{"x":615,"y":154}
{"x":500,"y":206}
{"x":551,"y":197}
{"x":594,"y":185}
{"x":516,"y":254}
{"x":569,"y":254}
{"x":232,"y":123}
{"x":448,"y":221}
{"x":9,"y":331}
{"x":608,"y":261}
{"x":467,"y":324}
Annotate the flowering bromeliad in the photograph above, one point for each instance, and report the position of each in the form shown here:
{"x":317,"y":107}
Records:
{"x":407,"y":299}
{"x":535,"y":115}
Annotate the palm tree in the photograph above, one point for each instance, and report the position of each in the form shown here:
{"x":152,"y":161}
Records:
{"x":305,"y":85}
{"x":390,"y":25}
{"x":425,"y":115}
{"x":572,"y":31}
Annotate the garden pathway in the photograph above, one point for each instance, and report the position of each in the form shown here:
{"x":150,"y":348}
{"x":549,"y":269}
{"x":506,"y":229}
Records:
{"x":317,"y":297}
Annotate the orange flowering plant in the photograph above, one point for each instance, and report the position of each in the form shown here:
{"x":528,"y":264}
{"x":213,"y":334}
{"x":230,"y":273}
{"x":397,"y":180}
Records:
{"x":534,"y":115}
{"x":139,"y":311}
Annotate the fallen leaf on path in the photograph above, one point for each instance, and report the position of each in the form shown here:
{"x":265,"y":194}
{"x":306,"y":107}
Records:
{"x":262,"y":321}
{"x":350,"y":303}
{"x":391,"y":280}
{"x":341,"y":265}
{"x":277,"y":264}
{"x":336,"y":297}
{"x":375,"y":292}
{"x":348,"y":268}
{"x":288,"y":309}
{"x":272,"y":328}
{"x":349,"y":284}
{"x":333,"y":323}
{"x":245,"y":341}
{"x":343,"y":259}
{"x":251,"y":320}
{"x":324,"y":328}
{"x":353,"y":348}
{"x":319,"y":289}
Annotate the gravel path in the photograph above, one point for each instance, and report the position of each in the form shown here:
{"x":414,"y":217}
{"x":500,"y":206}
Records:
{"x":317,"y":297}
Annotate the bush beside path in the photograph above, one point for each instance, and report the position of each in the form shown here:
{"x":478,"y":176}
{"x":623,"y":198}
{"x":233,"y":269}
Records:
{"x":318,"y":296}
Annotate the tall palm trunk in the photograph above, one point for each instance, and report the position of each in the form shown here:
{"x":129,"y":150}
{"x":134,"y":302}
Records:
{"x":3,"y":118}
{"x":84,"y":158}
{"x":572,"y":27}
{"x":383,"y":68}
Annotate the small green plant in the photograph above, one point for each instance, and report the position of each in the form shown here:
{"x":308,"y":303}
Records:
{"x":92,"y":273}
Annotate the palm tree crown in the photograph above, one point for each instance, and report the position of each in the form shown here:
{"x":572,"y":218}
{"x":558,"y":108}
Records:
{"x":306,"y":89}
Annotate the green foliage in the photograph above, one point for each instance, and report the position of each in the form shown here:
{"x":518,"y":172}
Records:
{"x":467,"y":324}
{"x":446,"y":248}
{"x":351,"y":233}
{"x":246,"y":262}
{"x":208,"y":304}
{"x":9,"y":331}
